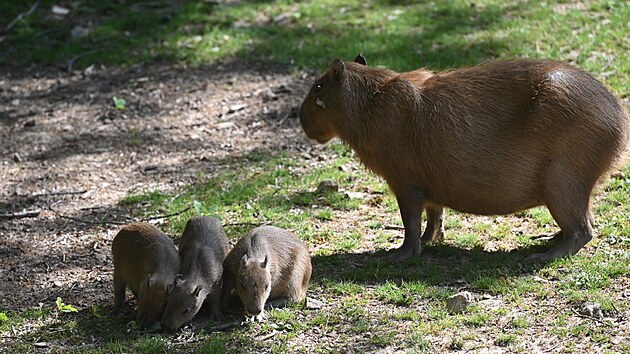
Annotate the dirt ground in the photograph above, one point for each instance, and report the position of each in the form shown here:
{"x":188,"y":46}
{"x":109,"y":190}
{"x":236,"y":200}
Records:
{"x":70,"y":154}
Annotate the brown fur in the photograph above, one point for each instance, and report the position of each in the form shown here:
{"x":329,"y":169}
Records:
{"x":146,"y":261}
{"x":202,"y":250}
{"x":267,"y":266}
{"x":490,"y":139}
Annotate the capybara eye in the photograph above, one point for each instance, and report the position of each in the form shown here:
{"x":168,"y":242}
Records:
{"x":318,"y":87}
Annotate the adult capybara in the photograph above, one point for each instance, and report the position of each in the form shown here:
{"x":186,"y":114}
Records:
{"x":146,"y":261}
{"x":202,"y":250}
{"x":269,"y":266}
{"x":490,"y":139}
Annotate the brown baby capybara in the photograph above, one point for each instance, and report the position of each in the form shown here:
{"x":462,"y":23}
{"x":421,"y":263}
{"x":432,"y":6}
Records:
{"x":267,"y":267}
{"x":146,"y":261}
{"x":202,"y":250}
{"x":490,"y":139}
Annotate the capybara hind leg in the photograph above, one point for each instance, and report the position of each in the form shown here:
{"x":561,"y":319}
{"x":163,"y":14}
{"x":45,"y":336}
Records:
{"x":410,"y":204}
{"x":567,"y":198}
{"x":434,"y":232}
{"x":276,"y":303}
{"x":556,"y":237}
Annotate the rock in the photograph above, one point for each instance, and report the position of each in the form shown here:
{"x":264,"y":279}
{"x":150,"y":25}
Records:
{"x":79,"y":32}
{"x":59,"y":11}
{"x":313,"y":304}
{"x":17,"y":158}
{"x":237,"y":107}
{"x":591,"y":309}
{"x":327,"y":186}
{"x":459,"y":302}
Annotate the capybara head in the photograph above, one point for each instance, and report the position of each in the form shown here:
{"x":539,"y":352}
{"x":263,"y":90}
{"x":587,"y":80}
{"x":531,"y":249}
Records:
{"x":183,"y":303}
{"x":151,"y":300}
{"x":323,"y":109}
{"x":253,"y":284}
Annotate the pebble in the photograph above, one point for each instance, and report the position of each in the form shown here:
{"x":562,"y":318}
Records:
{"x":459,"y":302}
{"x":313,"y":304}
{"x":591,"y":309}
{"x":327,"y":186}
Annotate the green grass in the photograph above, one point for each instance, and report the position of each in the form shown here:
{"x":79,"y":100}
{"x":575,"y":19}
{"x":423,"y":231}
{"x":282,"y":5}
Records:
{"x":402,"y":304}
{"x":402,"y":35}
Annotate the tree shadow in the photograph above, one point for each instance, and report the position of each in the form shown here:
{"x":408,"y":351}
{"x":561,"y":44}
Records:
{"x":439,"y":265}
{"x":430,"y":34}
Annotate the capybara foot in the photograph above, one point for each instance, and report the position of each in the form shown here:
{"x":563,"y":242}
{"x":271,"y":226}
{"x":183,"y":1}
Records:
{"x":402,"y":253}
{"x":437,"y":236}
{"x":566,"y":248}
{"x":557,"y":237}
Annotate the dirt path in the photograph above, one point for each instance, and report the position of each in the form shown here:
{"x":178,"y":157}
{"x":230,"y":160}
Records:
{"x":67,"y":151}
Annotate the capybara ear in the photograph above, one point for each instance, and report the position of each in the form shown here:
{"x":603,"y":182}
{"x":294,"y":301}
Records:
{"x":179,"y":279}
{"x":360,"y":59}
{"x":337,"y":67}
{"x":150,"y":280}
{"x":263,"y":264}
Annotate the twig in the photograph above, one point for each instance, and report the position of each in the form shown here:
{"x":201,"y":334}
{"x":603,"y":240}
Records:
{"x":267,"y":336}
{"x":223,"y":327}
{"x":591,"y":318}
{"x":22,"y":15}
{"x":72,"y":61}
{"x":247,"y":224}
{"x":89,"y":222}
{"x":393,"y":227}
{"x":21,"y":214}
{"x":166,"y":216}
{"x":104,"y":221}
{"x":59,"y":193}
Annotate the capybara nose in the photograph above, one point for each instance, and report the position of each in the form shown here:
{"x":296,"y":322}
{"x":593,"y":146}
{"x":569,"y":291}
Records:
{"x":253,"y":312}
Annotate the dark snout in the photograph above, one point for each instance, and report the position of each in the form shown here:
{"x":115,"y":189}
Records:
{"x":252,"y":311}
{"x":313,"y":129}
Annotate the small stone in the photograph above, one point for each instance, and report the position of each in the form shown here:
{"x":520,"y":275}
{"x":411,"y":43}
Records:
{"x":17,"y":158}
{"x":237,"y":107}
{"x":313,"y":304}
{"x":58,"y":283}
{"x":459,"y":302}
{"x":327,"y":186}
{"x":40,"y":344}
{"x":79,"y":32}
{"x":591,"y":309}
{"x":60,"y":11}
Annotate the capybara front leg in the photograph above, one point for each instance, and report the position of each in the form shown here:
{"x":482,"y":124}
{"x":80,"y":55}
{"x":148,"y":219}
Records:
{"x":434,"y":232}
{"x":119,"y":291}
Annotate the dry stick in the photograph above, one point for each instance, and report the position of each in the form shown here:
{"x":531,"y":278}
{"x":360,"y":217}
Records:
{"x":166,"y":216}
{"x":21,"y":214}
{"x":22,"y":15}
{"x":223,"y":327}
{"x":72,"y":61}
{"x":59,"y":193}
{"x":247,"y":224}
{"x":102,"y":221}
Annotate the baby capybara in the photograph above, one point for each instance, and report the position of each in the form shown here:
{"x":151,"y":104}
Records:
{"x":146,"y":261}
{"x":490,"y":139}
{"x":202,"y":250}
{"x":267,"y":267}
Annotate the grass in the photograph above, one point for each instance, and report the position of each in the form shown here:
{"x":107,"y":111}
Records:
{"x":402,"y":306}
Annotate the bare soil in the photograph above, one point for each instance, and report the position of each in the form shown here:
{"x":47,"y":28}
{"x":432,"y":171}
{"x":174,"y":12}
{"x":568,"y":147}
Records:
{"x":68,"y":152}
